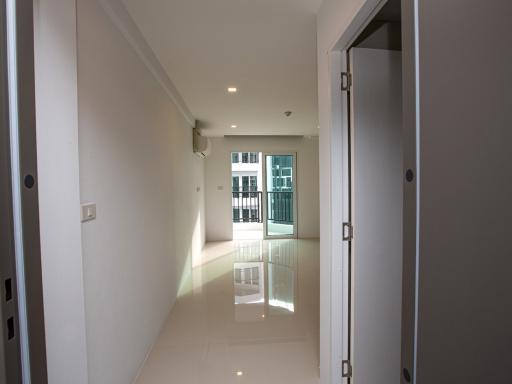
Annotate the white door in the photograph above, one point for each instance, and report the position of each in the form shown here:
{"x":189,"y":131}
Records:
{"x":376,"y":203}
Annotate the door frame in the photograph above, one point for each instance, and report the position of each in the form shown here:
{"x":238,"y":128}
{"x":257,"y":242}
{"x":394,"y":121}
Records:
{"x":264,"y":199}
{"x":334,"y":312}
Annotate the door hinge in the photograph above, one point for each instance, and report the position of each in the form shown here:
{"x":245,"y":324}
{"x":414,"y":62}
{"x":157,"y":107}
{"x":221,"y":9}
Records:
{"x":346,"y":368}
{"x":348,"y":232}
{"x":346,"y":81}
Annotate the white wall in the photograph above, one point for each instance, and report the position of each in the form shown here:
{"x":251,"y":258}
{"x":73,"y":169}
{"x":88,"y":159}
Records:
{"x":57,"y":150}
{"x":137,"y":165}
{"x":219,"y":224}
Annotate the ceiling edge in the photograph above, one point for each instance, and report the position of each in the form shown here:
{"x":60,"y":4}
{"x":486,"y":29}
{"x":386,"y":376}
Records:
{"x":119,"y":15}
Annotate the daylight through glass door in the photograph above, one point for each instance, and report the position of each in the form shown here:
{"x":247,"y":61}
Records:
{"x":280,"y":195}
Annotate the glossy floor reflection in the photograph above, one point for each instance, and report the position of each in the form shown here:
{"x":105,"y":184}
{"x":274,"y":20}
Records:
{"x":250,"y":314}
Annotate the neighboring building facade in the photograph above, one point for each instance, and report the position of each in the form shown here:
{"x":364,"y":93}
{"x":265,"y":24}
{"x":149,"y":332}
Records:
{"x":246,"y":181}
{"x":247,"y":186}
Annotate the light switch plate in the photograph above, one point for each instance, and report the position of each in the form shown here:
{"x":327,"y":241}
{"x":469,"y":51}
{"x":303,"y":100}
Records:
{"x":88,"y":212}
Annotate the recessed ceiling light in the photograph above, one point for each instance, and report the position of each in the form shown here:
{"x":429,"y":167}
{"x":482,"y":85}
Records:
{"x":234,"y":126}
{"x":239,"y":373}
{"x":232,"y":90}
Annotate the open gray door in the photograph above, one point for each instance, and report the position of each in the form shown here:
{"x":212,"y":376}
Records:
{"x":376,"y":204}
{"x":457,"y":324}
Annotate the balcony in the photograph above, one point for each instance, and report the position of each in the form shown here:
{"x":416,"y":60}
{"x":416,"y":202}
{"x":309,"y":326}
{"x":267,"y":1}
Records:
{"x":247,"y":207}
{"x":280,"y":207}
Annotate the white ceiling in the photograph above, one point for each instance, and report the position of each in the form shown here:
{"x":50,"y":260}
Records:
{"x":265,"y":48}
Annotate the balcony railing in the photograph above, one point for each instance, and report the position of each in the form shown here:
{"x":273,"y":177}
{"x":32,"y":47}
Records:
{"x":247,"y":207}
{"x":280,"y":207}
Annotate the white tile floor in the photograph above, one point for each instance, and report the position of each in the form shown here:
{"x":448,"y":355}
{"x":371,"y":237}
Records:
{"x":250,"y":314}
{"x":248,"y":231}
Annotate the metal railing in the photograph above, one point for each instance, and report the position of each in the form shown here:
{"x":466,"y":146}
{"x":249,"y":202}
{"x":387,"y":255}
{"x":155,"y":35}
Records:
{"x":280,"y":207}
{"x":247,"y":207}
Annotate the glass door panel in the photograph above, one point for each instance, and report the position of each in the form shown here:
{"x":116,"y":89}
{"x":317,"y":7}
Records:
{"x":280,"y":195}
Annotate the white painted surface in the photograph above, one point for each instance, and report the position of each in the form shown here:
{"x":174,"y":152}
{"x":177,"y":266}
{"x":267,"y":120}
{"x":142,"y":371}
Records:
{"x":137,"y":164}
{"x":59,"y":199}
{"x":219,"y":224}
{"x":377,"y":199}
{"x":265,"y":48}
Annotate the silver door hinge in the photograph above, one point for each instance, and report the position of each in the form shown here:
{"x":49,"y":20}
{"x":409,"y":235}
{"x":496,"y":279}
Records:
{"x":346,"y":81}
{"x":346,"y":368}
{"x":348,"y":232}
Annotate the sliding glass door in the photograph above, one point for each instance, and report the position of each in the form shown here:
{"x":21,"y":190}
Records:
{"x":280,"y":195}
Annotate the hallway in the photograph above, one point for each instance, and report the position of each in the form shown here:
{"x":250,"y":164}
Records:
{"x":249,"y":314}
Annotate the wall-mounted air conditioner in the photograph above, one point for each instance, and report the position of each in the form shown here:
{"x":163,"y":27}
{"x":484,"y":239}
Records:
{"x":202,"y":145}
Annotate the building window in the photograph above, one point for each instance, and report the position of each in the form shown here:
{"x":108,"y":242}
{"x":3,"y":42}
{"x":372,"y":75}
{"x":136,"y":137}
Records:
{"x":245,"y":215}
{"x":253,"y":183}
{"x":245,"y":183}
{"x":236,"y":183}
{"x":286,"y":171}
{"x":235,"y":157}
{"x":282,"y":178}
{"x":236,"y":214}
{"x":253,"y":157}
{"x":245,"y":157}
